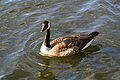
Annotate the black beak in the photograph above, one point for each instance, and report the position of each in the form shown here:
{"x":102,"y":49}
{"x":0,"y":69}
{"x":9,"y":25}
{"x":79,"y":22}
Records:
{"x":44,"y":26}
{"x":43,"y":29}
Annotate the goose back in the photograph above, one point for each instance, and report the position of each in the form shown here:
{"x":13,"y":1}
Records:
{"x":64,"y":46}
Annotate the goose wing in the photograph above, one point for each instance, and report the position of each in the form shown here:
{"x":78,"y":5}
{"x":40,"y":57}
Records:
{"x":60,"y":39}
{"x":69,"y":45}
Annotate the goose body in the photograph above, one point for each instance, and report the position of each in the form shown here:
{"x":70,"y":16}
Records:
{"x":64,"y":46}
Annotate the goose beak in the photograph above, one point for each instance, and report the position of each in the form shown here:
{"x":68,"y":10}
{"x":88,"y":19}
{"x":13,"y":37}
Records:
{"x":41,"y":30}
{"x":44,"y":26}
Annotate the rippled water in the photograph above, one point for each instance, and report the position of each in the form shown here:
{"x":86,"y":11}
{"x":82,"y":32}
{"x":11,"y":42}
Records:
{"x":20,"y":39}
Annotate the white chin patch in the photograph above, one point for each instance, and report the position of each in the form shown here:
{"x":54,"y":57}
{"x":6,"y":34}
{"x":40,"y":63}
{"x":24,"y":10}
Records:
{"x":44,"y":49}
{"x":48,"y":25}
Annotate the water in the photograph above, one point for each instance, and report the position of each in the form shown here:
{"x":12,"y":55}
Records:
{"x":20,"y":39}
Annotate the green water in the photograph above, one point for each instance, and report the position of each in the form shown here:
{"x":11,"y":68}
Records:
{"x":20,"y":39}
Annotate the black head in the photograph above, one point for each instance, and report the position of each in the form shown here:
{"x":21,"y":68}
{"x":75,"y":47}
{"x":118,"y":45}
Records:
{"x":45,"y":25}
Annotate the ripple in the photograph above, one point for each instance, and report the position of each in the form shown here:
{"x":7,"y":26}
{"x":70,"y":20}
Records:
{"x":20,"y":39}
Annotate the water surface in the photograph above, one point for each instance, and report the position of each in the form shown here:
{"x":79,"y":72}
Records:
{"x":20,"y":39}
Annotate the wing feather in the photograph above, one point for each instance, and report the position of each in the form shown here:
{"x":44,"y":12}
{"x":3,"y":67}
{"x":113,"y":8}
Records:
{"x":69,"y":45}
{"x":60,"y":39}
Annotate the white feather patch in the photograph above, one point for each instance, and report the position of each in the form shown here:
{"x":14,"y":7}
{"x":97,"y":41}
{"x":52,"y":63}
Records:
{"x":87,"y":45}
{"x":44,"y":49}
{"x":48,"y":25}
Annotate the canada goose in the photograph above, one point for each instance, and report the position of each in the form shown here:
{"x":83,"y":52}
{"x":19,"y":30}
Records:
{"x":64,"y":46}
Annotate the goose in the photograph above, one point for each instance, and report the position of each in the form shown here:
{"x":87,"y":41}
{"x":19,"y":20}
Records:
{"x":66,"y":45}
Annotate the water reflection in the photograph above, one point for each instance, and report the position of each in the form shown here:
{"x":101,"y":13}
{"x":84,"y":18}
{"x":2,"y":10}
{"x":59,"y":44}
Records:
{"x":20,"y":39}
{"x":54,"y":64}
{"x":33,"y":65}
{"x":45,"y":74}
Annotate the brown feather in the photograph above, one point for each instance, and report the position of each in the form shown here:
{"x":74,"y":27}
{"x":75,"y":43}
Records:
{"x":59,"y":39}
{"x":64,"y":46}
{"x":68,"y":45}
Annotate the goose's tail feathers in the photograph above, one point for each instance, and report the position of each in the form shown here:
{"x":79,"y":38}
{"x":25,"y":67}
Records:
{"x":93,"y":34}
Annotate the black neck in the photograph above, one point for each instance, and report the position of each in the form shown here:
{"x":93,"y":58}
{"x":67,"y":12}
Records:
{"x":47,"y":38}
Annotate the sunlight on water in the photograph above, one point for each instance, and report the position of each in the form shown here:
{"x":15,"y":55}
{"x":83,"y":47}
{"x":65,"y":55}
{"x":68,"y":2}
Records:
{"x":20,"y":39}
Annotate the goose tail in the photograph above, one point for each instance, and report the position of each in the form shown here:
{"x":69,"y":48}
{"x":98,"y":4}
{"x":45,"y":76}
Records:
{"x":93,"y":34}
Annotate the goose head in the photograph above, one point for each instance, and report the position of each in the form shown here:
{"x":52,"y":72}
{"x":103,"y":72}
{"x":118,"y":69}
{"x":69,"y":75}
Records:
{"x":45,"y":26}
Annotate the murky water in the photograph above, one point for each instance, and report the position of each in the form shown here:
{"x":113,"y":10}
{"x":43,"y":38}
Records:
{"x":20,"y":39}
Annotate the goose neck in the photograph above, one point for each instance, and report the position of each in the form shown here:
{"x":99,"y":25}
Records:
{"x":47,"y":38}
